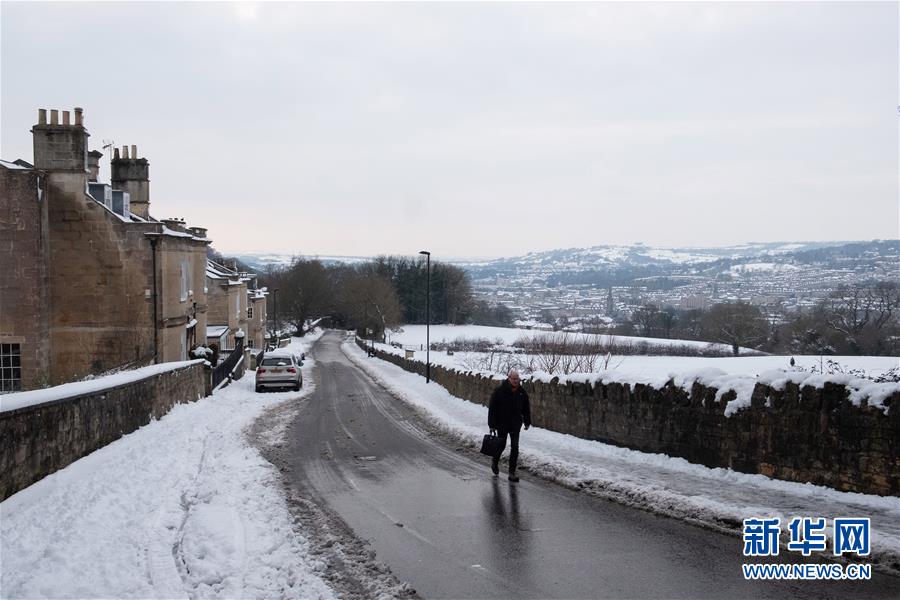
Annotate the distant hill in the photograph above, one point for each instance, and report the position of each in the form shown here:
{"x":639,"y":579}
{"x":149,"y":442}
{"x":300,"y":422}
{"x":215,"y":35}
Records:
{"x":623,"y":265}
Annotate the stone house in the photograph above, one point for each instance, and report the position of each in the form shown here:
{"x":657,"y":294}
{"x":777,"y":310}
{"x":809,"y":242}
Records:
{"x":228,"y":302}
{"x":231,"y":291}
{"x":256,"y":317}
{"x":91,"y":282}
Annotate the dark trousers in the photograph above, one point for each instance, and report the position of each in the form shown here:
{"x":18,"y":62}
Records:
{"x":513,"y":446}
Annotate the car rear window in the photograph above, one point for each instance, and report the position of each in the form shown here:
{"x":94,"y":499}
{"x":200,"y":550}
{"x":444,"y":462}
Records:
{"x":281,"y":361}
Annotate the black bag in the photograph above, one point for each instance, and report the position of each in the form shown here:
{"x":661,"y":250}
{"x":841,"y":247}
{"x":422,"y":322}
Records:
{"x":491,"y":445}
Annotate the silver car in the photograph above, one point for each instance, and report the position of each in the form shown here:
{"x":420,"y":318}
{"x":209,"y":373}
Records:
{"x":279,"y":369}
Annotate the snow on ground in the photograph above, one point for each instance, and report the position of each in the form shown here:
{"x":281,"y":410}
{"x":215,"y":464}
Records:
{"x":657,"y":370}
{"x":183,"y":507}
{"x":414,"y":335}
{"x":739,"y":373}
{"x":663,"y":484}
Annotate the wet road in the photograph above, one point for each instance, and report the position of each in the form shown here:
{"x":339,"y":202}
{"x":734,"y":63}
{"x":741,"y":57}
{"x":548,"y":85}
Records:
{"x":442,"y":522}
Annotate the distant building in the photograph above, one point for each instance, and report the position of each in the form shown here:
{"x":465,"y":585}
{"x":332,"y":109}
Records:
{"x":90,"y":283}
{"x":236,"y":304}
{"x":694,"y":302}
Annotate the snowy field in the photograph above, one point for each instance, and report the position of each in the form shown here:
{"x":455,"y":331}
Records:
{"x":414,"y":335}
{"x":662,"y":484}
{"x":182,"y":508}
{"x":657,"y":370}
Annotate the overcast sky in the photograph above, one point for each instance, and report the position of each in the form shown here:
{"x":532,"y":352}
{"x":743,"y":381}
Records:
{"x":479,"y":129}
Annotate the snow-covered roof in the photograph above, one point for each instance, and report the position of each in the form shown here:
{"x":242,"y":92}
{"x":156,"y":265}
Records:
{"x":216,"y":271}
{"x":214,"y":331}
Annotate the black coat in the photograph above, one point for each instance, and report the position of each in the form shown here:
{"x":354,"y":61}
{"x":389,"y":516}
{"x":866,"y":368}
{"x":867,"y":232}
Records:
{"x":509,"y":409}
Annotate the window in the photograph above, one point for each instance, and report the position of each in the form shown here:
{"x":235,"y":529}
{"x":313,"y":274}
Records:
{"x":249,"y":312}
{"x":280,"y":361}
{"x":10,"y":368}
{"x":185,"y":279}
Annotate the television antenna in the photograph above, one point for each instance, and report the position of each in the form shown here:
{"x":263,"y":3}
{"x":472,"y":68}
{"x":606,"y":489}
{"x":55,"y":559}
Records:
{"x":111,"y":144}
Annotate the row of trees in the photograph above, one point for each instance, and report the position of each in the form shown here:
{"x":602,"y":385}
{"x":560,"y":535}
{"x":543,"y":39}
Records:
{"x":373,"y":296}
{"x":377,"y":295}
{"x":860,"y":319}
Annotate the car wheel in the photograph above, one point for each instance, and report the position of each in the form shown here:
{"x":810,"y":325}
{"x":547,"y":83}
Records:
{"x":297,"y":387}
{"x":258,"y":389}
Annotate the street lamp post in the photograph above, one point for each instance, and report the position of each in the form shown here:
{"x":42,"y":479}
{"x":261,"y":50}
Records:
{"x":427,"y":315}
{"x":275,"y":317}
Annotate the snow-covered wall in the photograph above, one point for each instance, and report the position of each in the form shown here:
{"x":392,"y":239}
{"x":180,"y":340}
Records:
{"x":54,"y":427}
{"x":790,"y":431}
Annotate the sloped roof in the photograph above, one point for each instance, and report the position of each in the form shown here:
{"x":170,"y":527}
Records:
{"x":15,"y":166}
{"x":215,"y":331}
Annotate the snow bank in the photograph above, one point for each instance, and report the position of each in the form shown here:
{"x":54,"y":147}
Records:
{"x":78,"y":388}
{"x":663,"y":484}
{"x":183,"y":507}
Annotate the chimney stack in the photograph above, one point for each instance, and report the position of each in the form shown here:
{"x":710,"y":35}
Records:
{"x":132,"y":174}
{"x":94,"y":165}
{"x":60,"y":147}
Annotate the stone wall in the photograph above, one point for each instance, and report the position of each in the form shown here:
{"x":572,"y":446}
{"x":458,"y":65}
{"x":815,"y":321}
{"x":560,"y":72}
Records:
{"x":38,"y":440}
{"x":798,"y":434}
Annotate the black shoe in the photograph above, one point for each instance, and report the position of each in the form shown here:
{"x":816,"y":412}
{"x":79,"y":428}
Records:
{"x":495,"y":467}
{"x":513,"y":478}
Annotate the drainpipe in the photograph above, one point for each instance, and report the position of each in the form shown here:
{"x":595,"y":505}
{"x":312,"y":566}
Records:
{"x":153,"y":241}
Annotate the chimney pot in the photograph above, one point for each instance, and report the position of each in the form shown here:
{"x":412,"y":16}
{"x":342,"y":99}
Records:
{"x":124,"y":151}
{"x":42,"y":116}
{"x":54,"y":116}
{"x":115,"y":153}
{"x":133,"y":151}
{"x":67,"y":118}
{"x":79,"y":116}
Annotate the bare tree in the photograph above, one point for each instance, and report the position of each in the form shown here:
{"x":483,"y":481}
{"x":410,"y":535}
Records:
{"x":646,"y":320}
{"x":371,"y":302}
{"x":737,"y":324}
{"x":861,"y":312}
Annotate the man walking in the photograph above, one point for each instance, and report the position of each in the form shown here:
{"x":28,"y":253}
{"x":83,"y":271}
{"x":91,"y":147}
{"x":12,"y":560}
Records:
{"x":507,"y":412}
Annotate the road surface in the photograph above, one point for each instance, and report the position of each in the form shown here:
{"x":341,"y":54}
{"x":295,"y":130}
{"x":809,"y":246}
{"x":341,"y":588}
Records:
{"x":439,"y":519}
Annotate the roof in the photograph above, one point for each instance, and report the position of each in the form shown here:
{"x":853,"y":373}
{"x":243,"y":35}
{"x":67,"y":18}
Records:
{"x":215,"y":331}
{"x":216,"y":271}
{"x":13,"y":166}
